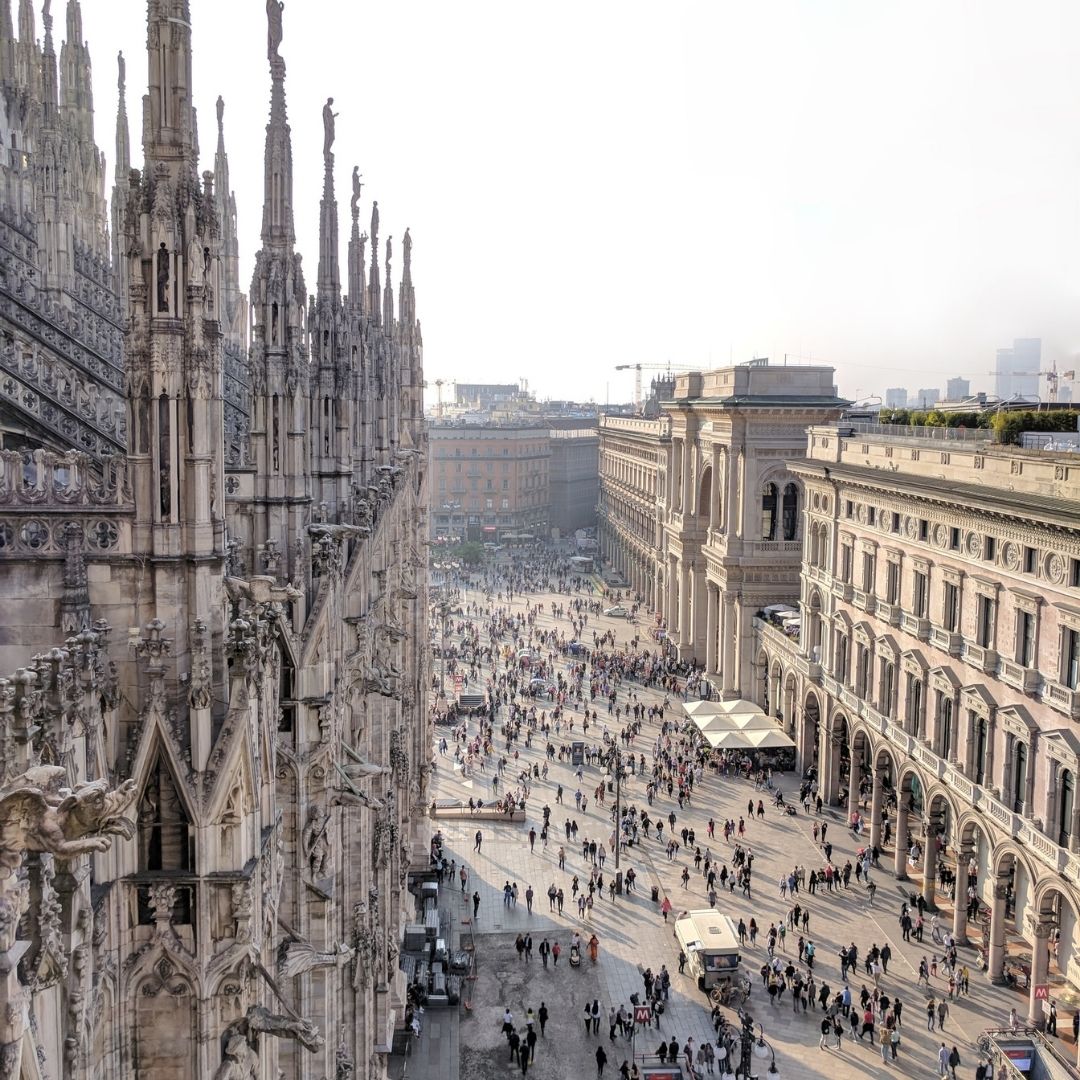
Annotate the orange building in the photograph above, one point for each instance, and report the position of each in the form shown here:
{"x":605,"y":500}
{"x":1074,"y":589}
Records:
{"x":489,"y":482}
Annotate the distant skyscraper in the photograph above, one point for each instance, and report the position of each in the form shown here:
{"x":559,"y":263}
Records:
{"x":896,"y":398}
{"x":926,"y":399}
{"x":1018,"y":369}
{"x":957,"y":389}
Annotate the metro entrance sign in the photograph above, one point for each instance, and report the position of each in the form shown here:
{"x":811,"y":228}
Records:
{"x":1042,"y":992}
{"x":642,"y":1014}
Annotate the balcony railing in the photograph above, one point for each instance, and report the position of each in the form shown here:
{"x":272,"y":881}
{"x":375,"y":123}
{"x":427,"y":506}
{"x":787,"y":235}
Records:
{"x":1018,"y":676}
{"x":947,"y":640}
{"x":864,"y":601}
{"x":889,"y":613}
{"x":1061,"y":698}
{"x":913,"y":624}
{"x":985,"y":659}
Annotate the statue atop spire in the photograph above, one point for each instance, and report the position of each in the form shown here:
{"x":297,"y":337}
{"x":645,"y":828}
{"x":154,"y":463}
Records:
{"x":121,"y":72}
{"x":328,"y":115}
{"x":357,"y":184}
{"x":220,"y":118}
{"x":274,"y":30}
{"x":375,"y":231}
{"x":389,"y":253}
{"x":406,"y":243}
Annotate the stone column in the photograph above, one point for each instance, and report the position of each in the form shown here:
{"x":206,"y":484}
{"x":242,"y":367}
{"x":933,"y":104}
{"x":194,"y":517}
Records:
{"x":959,"y":920}
{"x":903,"y":839}
{"x":876,"y":801}
{"x":714,"y":487}
{"x":671,"y":597}
{"x":852,"y":785}
{"x":684,"y":606}
{"x":1040,"y":969}
{"x":996,"y":954}
{"x":930,"y":854}
{"x":712,"y":605}
{"x":727,"y":635}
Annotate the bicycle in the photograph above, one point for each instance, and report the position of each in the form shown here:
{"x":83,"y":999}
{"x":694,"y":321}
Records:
{"x":732,"y":994}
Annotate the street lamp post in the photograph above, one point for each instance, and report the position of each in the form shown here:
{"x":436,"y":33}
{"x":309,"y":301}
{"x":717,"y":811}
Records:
{"x":615,"y":760}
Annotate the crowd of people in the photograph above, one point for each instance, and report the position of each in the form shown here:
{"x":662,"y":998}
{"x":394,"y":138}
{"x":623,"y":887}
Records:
{"x":549,"y":677}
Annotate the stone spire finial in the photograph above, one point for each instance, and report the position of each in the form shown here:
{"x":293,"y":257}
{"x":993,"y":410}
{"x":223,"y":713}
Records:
{"x":278,"y":230}
{"x":7,"y":41}
{"x":169,"y":129}
{"x":374,"y":305}
{"x":329,"y":281}
{"x":406,"y":296}
{"x":50,"y":97}
{"x":123,"y":142}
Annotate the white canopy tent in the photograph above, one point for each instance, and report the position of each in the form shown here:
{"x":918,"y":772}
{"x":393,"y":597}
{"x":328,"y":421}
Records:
{"x":736,"y":724}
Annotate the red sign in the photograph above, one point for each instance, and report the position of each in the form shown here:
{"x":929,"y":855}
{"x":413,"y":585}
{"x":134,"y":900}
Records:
{"x":642,"y":1014}
{"x":1042,"y":993}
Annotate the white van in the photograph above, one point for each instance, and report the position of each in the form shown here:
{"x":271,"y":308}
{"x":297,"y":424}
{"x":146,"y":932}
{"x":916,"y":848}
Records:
{"x":711,"y":944}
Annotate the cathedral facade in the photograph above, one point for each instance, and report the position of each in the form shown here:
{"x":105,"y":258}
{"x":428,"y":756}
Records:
{"x":214,"y":751}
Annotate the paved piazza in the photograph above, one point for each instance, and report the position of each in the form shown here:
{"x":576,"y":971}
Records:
{"x":633,"y":934}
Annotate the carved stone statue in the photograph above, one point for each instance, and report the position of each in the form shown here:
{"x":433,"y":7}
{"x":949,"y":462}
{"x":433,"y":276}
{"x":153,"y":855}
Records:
{"x":163,"y":277}
{"x":406,"y":244}
{"x":316,"y":844}
{"x":274,"y":9}
{"x":357,"y":184}
{"x":121,"y":72}
{"x":328,"y":115}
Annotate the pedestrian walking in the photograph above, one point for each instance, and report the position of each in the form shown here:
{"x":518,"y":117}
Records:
{"x":479,"y":840}
{"x":601,"y":1061}
{"x":943,"y":1061}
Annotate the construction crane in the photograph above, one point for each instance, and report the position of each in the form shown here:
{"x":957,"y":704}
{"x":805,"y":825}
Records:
{"x":638,"y":368}
{"x":438,"y":384}
{"x":1052,"y":377}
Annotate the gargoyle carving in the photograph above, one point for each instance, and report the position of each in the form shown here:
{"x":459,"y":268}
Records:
{"x":337,"y":531}
{"x":37,"y":813}
{"x":240,"y":1056}
{"x":296,"y":957}
{"x":261,"y":589}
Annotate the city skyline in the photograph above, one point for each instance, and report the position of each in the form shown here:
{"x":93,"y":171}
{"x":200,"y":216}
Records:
{"x":719,"y":161}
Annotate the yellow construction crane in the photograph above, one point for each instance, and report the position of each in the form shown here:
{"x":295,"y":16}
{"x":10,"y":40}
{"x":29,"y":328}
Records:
{"x":638,"y":368}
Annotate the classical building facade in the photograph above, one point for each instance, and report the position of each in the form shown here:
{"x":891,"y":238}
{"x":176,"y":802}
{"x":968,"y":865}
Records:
{"x":212,"y":575}
{"x":732,"y":514}
{"x":634,"y":455}
{"x":490,"y":481}
{"x":574,"y":478}
{"x":939,"y":662}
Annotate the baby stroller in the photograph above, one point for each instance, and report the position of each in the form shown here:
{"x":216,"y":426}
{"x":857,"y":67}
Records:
{"x":575,"y":955}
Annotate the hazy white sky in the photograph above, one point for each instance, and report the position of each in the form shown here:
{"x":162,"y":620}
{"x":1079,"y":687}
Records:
{"x":889,"y":187}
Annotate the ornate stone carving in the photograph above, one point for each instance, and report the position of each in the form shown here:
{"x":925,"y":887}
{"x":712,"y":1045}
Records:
{"x":295,"y":957}
{"x":316,"y":843}
{"x":240,"y":1059}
